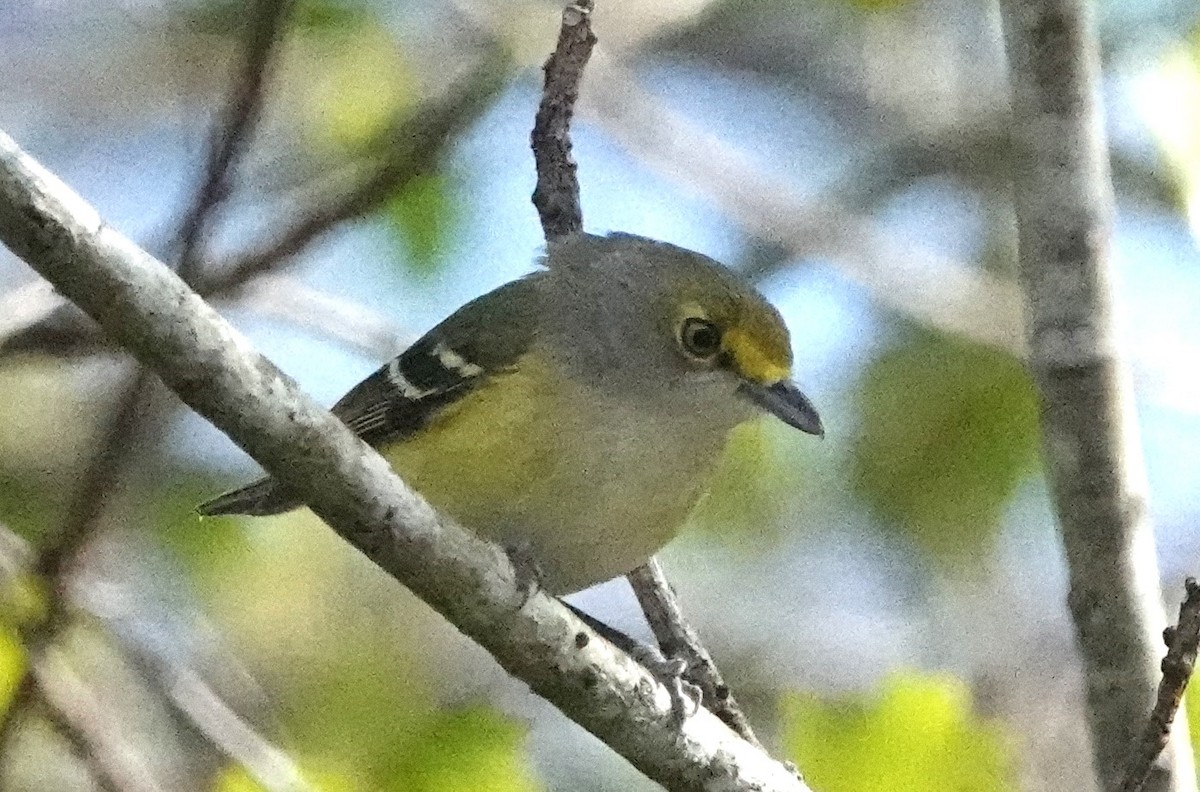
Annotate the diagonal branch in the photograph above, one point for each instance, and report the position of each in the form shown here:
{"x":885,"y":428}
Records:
{"x":678,"y":639}
{"x":157,"y":318}
{"x":411,"y":149}
{"x":417,"y":146}
{"x":77,"y":713}
{"x":85,"y":726}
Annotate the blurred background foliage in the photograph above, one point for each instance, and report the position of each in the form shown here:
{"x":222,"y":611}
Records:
{"x":889,"y":604}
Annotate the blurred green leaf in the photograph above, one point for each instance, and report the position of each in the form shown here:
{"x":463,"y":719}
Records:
{"x":30,"y":505}
{"x":12,"y":665}
{"x":948,"y":431}
{"x":364,"y":83}
{"x":1191,"y":706}
{"x":318,"y":16}
{"x":423,"y":217}
{"x":308,"y":16}
{"x":473,"y":748}
{"x":206,"y":546}
{"x":1168,"y":100}
{"x":24,"y":602}
{"x":917,"y":733}
{"x":333,"y":640}
{"x":323,"y":778}
{"x":876,"y":5}
{"x":754,"y":484}
{"x":41,"y":448}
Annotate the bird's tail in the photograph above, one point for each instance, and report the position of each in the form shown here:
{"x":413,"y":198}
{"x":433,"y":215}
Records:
{"x":260,"y":499}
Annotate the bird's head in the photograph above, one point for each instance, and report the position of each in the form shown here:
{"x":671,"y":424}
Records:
{"x":651,"y":318}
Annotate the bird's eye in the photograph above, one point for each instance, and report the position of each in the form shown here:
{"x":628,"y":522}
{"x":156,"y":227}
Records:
{"x":700,"y":338}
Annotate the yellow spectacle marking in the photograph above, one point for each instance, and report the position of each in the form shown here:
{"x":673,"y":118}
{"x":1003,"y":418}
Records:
{"x":752,"y":361}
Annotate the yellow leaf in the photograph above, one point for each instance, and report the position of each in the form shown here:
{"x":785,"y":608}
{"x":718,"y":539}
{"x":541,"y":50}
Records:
{"x":473,"y":748}
{"x":362,"y":87}
{"x":316,"y":777}
{"x":12,"y":666}
{"x":917,"y":733}
{"x":1168,"y":99}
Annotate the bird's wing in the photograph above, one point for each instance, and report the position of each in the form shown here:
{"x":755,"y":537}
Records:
{"x":484,"y":337}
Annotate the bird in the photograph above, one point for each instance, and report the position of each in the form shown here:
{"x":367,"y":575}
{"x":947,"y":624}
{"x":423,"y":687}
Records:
{"x":578,"y":412}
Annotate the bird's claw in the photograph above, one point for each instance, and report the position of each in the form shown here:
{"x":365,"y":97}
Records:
{"x":527,"y":569}
{"x":686,"y":698}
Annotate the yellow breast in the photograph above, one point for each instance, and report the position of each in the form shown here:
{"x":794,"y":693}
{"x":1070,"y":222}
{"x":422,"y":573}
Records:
{"x":592,"y":486}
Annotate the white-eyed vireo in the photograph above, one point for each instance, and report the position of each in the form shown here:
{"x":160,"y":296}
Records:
{"x":577,"y":412}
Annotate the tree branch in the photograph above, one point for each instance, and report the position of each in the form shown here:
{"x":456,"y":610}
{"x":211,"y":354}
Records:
{"x":1182,"y":641}
{"x":234,"y":131}
{"x":556,"y":195}
{"x":678,"y":639}
{"x":81,"y":718}
{"x":188,"y":692}
{"x":414,"y":149}
{"x":152,"y":313}
{"x":410,"y":149}
{"x":1064,"y":207}
{"x":290,"y":300}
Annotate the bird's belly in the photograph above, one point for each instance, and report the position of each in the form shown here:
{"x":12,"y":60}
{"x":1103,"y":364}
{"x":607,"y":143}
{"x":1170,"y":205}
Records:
{"x":590,"y":497}
{"x":591,"y":524}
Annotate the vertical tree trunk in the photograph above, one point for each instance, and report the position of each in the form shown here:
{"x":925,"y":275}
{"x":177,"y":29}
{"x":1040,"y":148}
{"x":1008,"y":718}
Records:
{"x":1090,"y":441}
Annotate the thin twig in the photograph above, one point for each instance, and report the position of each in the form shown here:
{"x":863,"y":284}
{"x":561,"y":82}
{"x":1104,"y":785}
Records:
{"x":560,"y":210}
{"x":234,"y":132}
{"x":679,"y":640}
{"x":103,"y":470}
{"x":82,"y":719}
{"x":287,"y":299}
{"x":21,"y":703}
{"x":413,"y":148}
{"x":77,"y":742}
{"x":417,"y":148}
{"x":1182,"y":641}
{"x":270,"y":766}
{"x":166,"y":669}
{"x":54,"y":563}
{"x":116,"y":443}
{"x":556,"y":195}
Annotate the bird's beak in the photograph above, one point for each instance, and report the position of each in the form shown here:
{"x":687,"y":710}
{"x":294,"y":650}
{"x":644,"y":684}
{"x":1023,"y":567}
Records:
{"x":785,"y":401}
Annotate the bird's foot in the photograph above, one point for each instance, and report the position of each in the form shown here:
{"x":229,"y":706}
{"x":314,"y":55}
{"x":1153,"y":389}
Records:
{"x":686,"y":698}
{"x":526,"y":567}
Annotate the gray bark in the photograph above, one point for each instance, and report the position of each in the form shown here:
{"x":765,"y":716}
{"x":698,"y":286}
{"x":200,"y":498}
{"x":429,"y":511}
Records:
{"x":1090,"y":443}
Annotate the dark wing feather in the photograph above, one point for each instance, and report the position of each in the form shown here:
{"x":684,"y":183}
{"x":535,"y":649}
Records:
{"x":484,"y":337}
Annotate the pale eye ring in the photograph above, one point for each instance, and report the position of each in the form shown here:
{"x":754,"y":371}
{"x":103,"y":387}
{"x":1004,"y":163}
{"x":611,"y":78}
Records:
{"x":700,"y":338}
